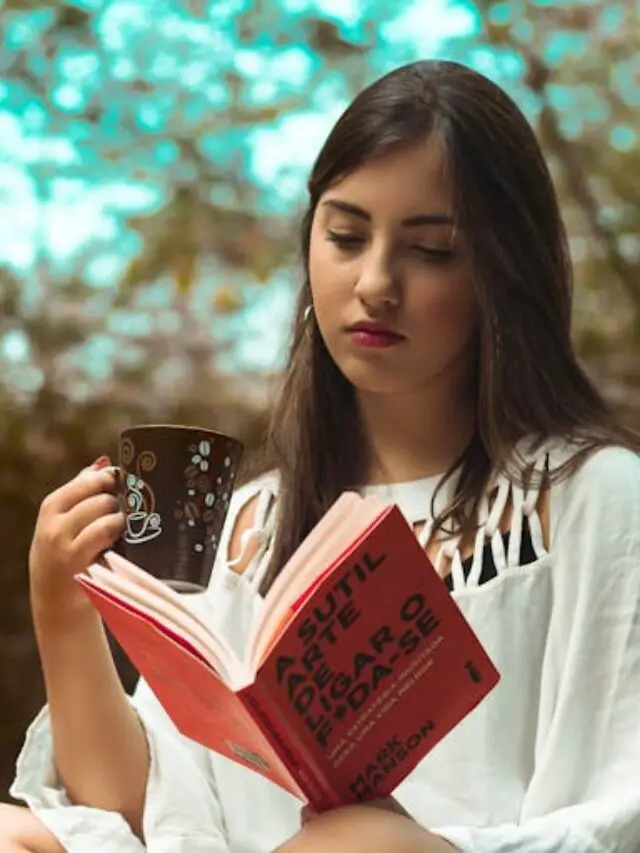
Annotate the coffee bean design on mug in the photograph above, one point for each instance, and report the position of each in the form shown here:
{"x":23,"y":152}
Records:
{"x":201,"y":503}
{"x":143,"y":522}
{"x":176,"y":489}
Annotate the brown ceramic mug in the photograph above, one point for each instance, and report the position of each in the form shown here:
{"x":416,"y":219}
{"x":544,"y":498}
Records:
{"x":177,"y":482}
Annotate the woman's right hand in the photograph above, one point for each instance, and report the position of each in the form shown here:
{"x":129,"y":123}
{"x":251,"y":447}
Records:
{"x":99,"y":747}
{"x":76,"y":523}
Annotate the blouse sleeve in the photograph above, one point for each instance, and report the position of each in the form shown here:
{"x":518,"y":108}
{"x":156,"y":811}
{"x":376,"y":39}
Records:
{"x":181,"y":812}
{"x":584,"y":794}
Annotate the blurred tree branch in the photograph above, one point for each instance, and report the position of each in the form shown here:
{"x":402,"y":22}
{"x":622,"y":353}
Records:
{"x":538,"y":77}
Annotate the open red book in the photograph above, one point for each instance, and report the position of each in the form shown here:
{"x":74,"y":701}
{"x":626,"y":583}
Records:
{"x":359,"y":664}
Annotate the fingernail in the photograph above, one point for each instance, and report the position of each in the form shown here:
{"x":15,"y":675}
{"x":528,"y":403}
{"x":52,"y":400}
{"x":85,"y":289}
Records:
{"x":101,"y":462}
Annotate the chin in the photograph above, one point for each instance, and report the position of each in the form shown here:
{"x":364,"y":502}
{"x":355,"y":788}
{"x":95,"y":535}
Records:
{"x":371,"y":381}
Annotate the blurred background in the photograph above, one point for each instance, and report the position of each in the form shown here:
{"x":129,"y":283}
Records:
{"x":153,"y":156}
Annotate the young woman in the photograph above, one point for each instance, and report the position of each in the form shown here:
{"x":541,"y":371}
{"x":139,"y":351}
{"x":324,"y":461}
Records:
{"x":431,"y":365}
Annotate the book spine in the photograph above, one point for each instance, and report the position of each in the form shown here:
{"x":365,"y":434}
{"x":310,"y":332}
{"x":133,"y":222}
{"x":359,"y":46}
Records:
{"x":289,"y":747}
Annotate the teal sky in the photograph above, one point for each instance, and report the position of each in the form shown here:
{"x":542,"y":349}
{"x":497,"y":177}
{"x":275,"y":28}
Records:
{"x":78,"y":213}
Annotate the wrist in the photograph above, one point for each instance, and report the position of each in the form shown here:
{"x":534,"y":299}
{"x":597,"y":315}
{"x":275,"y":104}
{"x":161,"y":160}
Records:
{"x":62,"y":615}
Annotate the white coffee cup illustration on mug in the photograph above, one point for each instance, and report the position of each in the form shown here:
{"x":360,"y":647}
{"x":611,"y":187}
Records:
{"x":141,"y":525}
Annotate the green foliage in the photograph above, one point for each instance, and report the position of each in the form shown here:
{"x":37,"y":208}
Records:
{"x":575,"y":68}
{"x":163,"y":101}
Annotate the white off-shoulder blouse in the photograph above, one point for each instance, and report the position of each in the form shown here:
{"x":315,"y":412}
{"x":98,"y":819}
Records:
{"x":548,"y":763}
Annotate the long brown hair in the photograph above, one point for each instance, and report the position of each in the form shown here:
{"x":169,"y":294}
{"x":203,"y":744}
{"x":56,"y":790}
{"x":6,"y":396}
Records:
{"x":529,"y":381}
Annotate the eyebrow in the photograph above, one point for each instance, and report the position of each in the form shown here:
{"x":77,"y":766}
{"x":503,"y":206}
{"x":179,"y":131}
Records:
{"x":411,"y":221}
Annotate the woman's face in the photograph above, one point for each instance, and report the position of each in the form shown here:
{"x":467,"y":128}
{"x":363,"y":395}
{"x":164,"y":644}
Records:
{"x":391,"y":282}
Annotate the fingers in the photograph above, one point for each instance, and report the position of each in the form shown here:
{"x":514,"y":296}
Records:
{"x":86,"y":484}
{"x":89,"y":510}
{"x":97,"y":537}
{"x":76,"y":524}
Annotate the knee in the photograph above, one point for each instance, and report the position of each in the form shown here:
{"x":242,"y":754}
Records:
{"x":298,"y":843}
{"x":10,"y":829}
{"x":22,"y":832}
{"x":318,"y":836}
{"x":358,"y":828}
{"x":12,"y":819}
{"x":349,"y":830}
{"x":12,"y":846}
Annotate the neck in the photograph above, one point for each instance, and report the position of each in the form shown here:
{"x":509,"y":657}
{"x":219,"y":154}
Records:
{"x":415,"y":435}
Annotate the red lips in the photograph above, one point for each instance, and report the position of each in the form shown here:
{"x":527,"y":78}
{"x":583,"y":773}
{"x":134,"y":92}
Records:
{"x":368,"y":333}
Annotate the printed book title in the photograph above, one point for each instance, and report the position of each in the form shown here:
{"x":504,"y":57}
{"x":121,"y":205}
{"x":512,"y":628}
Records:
{"x":324,"y":696}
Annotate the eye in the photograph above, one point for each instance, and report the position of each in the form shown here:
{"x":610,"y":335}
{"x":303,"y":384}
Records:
{"x":432,"y":254}
{"x":344,"y":239}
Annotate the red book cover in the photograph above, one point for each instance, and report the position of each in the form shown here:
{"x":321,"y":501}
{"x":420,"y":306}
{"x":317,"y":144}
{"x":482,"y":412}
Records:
{"x":375,"y":667}
{"x":201,"y":706}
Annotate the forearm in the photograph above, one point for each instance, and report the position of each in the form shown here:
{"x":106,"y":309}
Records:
{"x":99,"y":744}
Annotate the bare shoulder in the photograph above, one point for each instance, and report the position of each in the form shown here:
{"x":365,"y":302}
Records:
{"x":250,"y":509}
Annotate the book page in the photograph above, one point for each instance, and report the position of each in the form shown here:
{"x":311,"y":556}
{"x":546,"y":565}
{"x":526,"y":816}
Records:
{"x":343,"y":524}
{"x":199,"y":703}
{"x":157,"y":610}
{"x":145,"y":581}
{"x":178,"y":620}
{"x":125,"y":568}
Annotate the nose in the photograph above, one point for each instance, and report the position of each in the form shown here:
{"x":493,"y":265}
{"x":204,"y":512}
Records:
{"x":377,"y":286}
